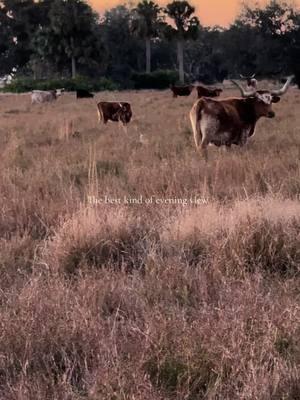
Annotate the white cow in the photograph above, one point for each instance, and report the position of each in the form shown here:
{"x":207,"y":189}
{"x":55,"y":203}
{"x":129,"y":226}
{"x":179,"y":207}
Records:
{"x":251,"y":82}
{"x":45,"y":96}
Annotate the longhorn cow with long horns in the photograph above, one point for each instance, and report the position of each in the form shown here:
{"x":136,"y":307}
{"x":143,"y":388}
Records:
{"x":251,"y":81}
{"x":232,"y":120}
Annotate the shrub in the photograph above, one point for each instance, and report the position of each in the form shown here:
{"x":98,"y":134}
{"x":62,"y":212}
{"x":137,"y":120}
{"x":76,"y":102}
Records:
{"x":155,"y":80}
{"x":259,"y":234}
{"x":271,"y":247}
{"x":174,"y":374}
{"x":20,"y":85}
{"x":95,"y":238}
{"x":105,"y":167}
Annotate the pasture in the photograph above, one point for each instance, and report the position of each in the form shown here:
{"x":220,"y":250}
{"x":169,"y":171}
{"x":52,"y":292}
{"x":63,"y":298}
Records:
{"x":131,"y":269}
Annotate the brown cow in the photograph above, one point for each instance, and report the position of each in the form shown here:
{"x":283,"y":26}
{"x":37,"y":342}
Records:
{"x":182,"y":90}
{"x":114,"y":111}
{"x":208,"y":92}
{"x":232,"y":120}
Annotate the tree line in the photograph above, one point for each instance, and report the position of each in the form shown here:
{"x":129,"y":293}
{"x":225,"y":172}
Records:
{"x":66,"y":38}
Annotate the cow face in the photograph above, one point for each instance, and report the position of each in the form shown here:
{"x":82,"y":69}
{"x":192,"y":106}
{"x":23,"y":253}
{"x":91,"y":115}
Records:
{"x":251,"y":81}
{"x":59,"y":92}
{"x":125,"y":113}
{"x":263,"y":104}
{"x":263,"y":99}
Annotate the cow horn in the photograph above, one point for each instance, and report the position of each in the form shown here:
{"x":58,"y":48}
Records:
{"x":252,"y":76}
{"x":285,"y":87}
{"x":244,"y":93}
{"x":242,"y":76}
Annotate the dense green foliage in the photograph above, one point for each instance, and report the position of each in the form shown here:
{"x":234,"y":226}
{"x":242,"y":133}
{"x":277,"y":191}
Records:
{"x":21,"y":85}
{"x":62,"y":39}
{"x":155,"y":80}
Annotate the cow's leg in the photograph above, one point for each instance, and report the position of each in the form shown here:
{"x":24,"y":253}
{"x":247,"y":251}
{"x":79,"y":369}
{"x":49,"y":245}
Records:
{"x":243,"y":141}
{"x":203,"y":148}
{"x":100,"y":118}
{"x":197,"y":137}
{"x":228,"y":146}
{"x":244,"y":137}
{"x":124,"y":126}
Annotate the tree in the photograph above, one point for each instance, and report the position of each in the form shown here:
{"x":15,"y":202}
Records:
{"x":71,"y":34}
{"x":205,"y":59}
{"x":186,"y":27}
{"x":125,"y":49}
{"x":241,"y":48}
{"x":19,"y":20}
{"x":146,"y":22}
{"x":294,"y":50}
{"x":276,"y":18}
{"x":271,"y":27}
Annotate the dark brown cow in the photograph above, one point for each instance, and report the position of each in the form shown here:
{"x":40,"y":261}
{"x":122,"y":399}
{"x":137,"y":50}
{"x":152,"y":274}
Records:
{"x":114,"y":111}
{"x":208,"y":92}
{"x":83,"y":94}
{"x":232,"y":120}
{"x":182,"y":90}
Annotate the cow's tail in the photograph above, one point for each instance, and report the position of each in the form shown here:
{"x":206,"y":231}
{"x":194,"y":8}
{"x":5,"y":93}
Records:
{"x":195,"y":121}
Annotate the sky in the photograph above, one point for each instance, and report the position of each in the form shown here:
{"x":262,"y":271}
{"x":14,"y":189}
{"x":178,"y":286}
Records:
{"x":210,"y":12}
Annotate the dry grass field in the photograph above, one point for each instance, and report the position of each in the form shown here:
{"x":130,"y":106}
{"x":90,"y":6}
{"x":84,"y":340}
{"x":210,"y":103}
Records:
{"x":132,"y":270}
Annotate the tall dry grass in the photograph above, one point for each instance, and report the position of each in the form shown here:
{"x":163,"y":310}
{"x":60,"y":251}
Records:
{"x":130,"y":269}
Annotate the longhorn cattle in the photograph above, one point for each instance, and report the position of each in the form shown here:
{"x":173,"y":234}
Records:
{"x":251,"y":81}
{"x":182,"y":90}
{"x":208,"y":92}
{"x":232,"y":120}
{"x":83,"y":94}
{"x":43,"y":96}
{"x":114,"y":111}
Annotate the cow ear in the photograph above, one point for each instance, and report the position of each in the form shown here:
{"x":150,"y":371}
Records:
{"x":275,"y":99}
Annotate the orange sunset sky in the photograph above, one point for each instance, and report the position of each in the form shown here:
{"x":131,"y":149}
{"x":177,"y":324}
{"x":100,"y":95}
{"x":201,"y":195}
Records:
{"x":210,"y":12}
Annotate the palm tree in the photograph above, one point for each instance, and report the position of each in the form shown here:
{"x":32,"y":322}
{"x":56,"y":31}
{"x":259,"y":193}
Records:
{"x":186,"y":27}
{"x":145,"y":23}
{"x":72,"y":30}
